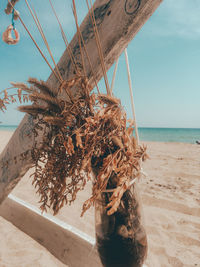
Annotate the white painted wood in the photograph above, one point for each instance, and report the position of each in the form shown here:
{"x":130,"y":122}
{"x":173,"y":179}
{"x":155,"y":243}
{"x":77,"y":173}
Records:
{"x":67,"y":243}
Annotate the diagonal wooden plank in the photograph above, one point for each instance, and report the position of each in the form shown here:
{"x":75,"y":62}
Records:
{"x":118,"y":21}
{"x":64,"y":241}
{"x":61,"y":239}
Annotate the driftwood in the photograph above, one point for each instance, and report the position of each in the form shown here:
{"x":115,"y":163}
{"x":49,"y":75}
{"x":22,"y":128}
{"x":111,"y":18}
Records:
{"x":117,"y":22}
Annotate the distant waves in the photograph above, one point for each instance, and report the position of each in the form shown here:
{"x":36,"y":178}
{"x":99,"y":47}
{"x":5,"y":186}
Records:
{"x":10,"y":128}
{"x":181,"y":135}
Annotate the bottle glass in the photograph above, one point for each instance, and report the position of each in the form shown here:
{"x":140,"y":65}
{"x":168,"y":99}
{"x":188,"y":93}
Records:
{"x":121,"y":238}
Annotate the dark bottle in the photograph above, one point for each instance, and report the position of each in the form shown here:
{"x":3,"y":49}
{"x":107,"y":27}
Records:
{"x":121,"y":238}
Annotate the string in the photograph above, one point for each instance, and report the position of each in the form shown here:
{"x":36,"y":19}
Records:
{"x":65,"y":39}
{"x":37,"y":23}
{"x":114,"y":75}
{"x":23,"y":24}
{"x":130,"y":90}
{"x":131,"y":95}
{"x":13,"y":22}
{"x":80,"y":36}
{"x":92,"y":17}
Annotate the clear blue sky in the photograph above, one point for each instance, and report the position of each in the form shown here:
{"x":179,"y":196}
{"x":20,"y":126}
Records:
{"x":164,"y":60}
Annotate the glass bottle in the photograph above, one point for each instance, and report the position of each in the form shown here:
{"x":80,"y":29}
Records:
{"x":121,"y":238}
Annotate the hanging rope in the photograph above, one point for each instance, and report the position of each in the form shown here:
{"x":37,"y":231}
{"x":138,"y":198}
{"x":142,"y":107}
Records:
{"x":133,"y":109}
{"x":65,"y":38}
{"x":23,"y":24}
{"x":98,"y":43}
{"x":130,"y":90}
{"x":37,"y":23}
{"x":131,"y":94}
{"x":13,"y":22}
{"x":114,"y":75}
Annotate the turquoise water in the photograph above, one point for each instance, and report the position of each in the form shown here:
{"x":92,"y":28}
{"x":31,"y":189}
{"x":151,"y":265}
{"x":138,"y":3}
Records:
{"x":10,"y":128}
{"x":183,"y":135}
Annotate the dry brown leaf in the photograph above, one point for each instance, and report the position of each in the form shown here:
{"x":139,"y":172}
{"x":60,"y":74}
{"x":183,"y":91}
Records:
{"x":5,"y":94}
{"x":19,"y":93}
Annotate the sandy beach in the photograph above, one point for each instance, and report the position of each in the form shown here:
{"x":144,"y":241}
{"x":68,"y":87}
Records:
{"x":170,"y":194}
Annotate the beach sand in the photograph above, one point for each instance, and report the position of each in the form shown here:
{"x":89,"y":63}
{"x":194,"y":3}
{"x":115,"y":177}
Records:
{"x":171,"y":205}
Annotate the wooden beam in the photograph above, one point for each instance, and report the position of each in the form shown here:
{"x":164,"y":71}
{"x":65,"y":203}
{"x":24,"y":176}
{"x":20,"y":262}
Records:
{"x":118,"y":22}
{"x":61,"y":239}
{"x":67,"y":243}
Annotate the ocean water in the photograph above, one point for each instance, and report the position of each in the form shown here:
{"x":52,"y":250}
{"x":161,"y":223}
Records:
{"x":181,"y":135}
{"x":10,"y":128}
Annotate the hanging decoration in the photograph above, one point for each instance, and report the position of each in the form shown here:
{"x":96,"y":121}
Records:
{"x":85,"y":136}
{"x":7,"y":35}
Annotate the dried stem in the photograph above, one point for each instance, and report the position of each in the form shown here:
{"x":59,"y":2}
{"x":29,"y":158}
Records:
{"x":38,"y":24}
{"x":65,"y":39}
{"x":40,"y":51}
{"x":91,"y":12}
{"x":79,"y":35}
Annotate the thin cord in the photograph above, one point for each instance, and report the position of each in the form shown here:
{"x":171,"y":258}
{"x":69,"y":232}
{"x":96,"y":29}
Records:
{"x":37,"y":22}
{"x":101,"y":53}
{"x":98,"y":46}
{"x":130,"y":90}
{"x":114,"y":75}
{"x":131,"y":94}
{"x":95,"y":81}
{"x":13,"y":22}
{"x":23,"y":24}
{"x":65,"y":39}
{"x":87,"y":55}
{"x":79,"y":37}
{"x":47,"y":45}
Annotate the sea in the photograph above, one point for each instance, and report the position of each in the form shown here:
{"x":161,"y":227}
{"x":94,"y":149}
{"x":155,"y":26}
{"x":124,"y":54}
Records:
{"x":180,"y":135}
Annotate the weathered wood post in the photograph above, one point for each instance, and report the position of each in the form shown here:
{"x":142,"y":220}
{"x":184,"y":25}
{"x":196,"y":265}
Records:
{"x":118,"y":21}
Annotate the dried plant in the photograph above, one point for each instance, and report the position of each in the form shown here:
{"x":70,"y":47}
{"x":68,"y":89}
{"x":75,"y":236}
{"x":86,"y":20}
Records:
{"x":7,"y":98}
{"x":83,"y":135}
{"x":10,"y":6}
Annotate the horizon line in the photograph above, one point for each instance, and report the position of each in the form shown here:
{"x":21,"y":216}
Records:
{"x":156,"y":127}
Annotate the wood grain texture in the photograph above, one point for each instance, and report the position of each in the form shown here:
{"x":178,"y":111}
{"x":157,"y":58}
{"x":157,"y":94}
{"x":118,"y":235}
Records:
{"x":118,"y":21}
{"x":67,"y":243}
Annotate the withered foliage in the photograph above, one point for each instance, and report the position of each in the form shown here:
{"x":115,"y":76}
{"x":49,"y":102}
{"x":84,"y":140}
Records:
{"x":10,"y":6}
{"x":22,"y":95}
{"x":83,"y":135}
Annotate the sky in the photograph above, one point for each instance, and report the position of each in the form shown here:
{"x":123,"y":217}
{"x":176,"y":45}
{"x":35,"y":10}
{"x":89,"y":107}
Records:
{"x":164,"y":60}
